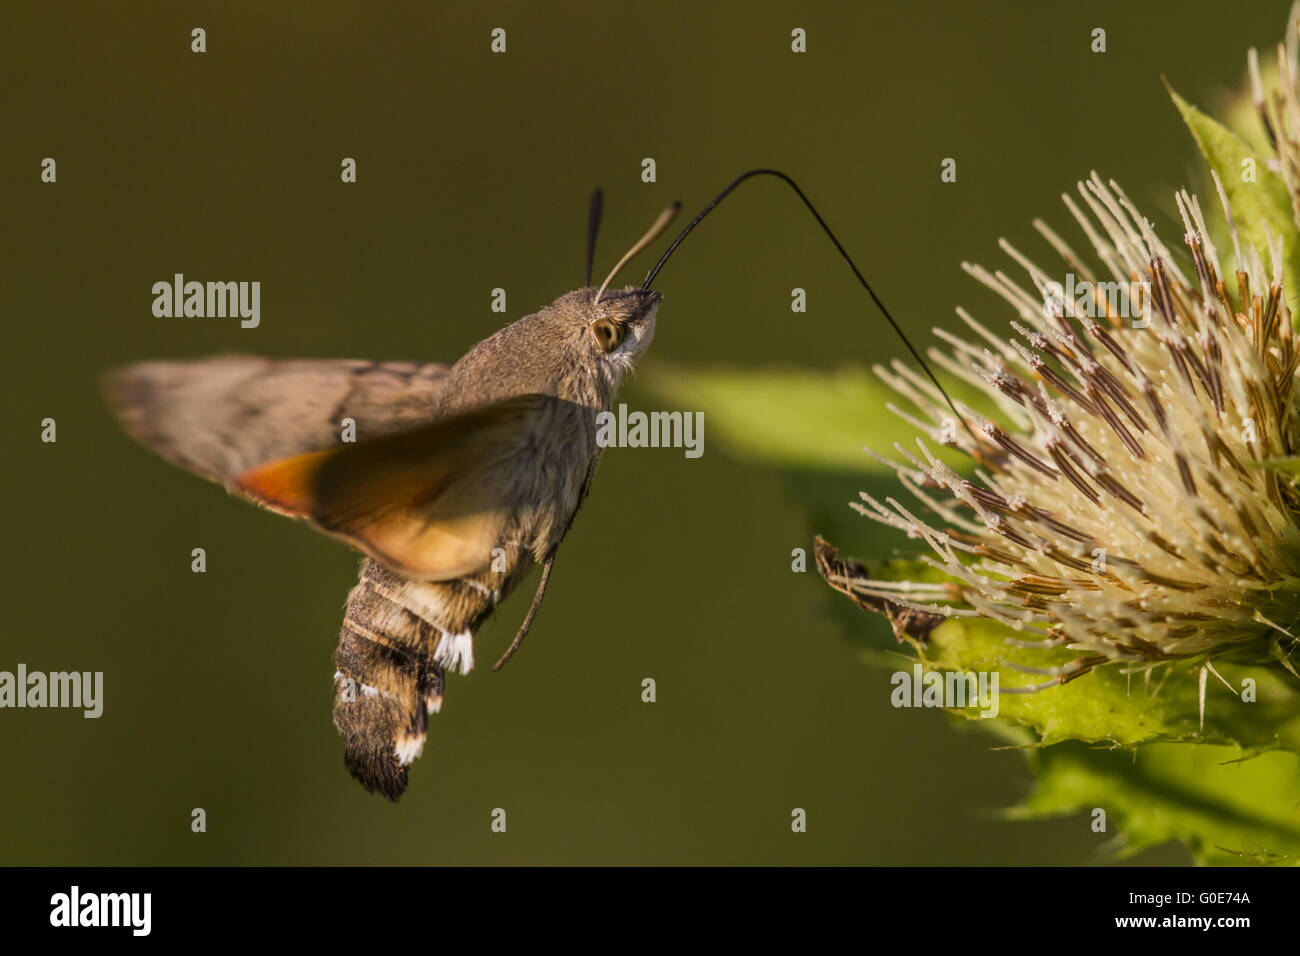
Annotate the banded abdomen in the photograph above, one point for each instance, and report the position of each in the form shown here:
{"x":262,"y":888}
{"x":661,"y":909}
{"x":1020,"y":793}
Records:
{"x":399,"y":638}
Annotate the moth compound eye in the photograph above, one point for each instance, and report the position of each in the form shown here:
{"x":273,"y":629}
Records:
{"x":609,"y":334}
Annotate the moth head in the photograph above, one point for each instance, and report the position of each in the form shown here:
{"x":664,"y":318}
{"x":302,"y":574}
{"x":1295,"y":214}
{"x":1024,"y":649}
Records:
{"x":618,"y":324}
{"x":621,"y":325}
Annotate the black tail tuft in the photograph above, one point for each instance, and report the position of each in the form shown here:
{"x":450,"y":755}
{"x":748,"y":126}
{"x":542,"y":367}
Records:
{"x":377,"y":770}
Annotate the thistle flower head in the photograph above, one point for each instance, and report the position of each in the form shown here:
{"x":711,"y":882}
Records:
{"x":1119,"y":506}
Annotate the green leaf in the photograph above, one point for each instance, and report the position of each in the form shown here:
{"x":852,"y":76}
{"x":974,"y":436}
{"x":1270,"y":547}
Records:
{"x":1229,"y":791}
{"x":1226,"y":811}
{"x":799,"y":418}
{"x":1258,"y":208}
{"x":1110,"y":706}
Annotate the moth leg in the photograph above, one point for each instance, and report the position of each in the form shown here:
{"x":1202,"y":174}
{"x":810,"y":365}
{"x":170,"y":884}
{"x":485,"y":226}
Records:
{"x":532,"y":612}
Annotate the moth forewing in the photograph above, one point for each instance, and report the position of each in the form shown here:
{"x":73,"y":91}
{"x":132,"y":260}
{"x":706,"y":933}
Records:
{"x":430,"y":503}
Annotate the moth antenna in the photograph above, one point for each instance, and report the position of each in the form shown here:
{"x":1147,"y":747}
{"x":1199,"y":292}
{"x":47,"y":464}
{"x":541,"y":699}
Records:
{"x":532,"y":613}
{"x":827,"y":229}
{"x":593,"y":227}
{"x":651,"y":235}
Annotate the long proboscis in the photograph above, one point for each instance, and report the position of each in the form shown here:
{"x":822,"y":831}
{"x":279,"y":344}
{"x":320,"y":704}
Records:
{"x":843,"y":253}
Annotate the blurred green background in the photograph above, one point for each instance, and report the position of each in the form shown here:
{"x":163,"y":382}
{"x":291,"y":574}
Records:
{"x":474,"y":172}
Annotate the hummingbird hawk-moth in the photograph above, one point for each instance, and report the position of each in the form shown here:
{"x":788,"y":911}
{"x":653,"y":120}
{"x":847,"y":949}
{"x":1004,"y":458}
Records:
{"x":461,"y":477}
